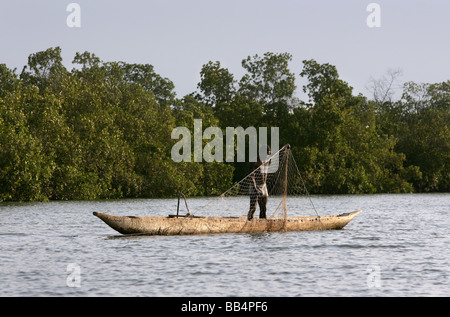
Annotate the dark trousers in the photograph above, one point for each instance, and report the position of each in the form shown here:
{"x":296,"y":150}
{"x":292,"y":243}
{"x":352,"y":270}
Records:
{"x":254,"y":200}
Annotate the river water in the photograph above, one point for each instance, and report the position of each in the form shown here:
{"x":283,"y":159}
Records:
{"x":398,"y":246}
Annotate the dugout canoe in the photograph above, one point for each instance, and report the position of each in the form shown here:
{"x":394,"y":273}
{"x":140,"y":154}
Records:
{"x":173,"y":225}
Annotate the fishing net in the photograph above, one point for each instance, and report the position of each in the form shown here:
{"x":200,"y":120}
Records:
{"x":275,"y":183}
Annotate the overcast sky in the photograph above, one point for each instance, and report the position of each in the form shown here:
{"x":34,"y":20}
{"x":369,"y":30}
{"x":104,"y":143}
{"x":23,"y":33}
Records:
{"x":178,"y":36}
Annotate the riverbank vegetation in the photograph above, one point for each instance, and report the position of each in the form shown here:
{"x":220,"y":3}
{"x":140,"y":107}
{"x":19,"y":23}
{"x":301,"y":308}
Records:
{"x":103,"y":129}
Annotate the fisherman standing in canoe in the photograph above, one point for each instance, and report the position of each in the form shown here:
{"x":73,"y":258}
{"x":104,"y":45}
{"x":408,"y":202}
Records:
{"x":258,"y":187}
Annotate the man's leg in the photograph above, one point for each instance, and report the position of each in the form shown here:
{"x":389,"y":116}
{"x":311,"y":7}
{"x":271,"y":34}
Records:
{"x":262,"y":200}
{"x":253,"y":203}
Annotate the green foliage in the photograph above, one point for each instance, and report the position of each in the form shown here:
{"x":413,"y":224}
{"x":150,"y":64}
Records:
{"x":269,"y":79}
{"x":420,"y":123}
{"x":24,"y":168}
{"x":103,"y":129}
{"x":344,"y":152}
{"x":217,"y":85}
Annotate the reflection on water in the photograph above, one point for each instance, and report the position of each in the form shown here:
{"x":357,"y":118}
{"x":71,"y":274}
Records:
{"x":398,"y":246}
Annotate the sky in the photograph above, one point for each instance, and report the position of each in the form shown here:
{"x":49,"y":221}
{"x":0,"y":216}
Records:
{"x":177,"y":37}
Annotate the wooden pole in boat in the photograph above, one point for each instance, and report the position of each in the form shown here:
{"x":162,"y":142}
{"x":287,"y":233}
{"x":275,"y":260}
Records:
{"x":185,"y":202}
{"x":178,"y":206}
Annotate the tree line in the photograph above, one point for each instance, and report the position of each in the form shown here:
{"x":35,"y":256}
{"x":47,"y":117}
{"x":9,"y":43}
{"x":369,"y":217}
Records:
{"x":103,"y":129}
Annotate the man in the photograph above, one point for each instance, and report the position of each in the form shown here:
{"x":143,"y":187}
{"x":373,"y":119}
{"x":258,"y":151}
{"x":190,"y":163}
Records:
{"x":258,"y":187}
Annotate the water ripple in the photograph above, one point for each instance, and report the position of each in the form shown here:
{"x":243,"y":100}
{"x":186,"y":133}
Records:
{"x":401,"y":240}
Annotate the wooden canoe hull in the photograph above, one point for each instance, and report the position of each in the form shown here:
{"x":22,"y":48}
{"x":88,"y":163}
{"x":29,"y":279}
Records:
{"x":215,"y":225}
